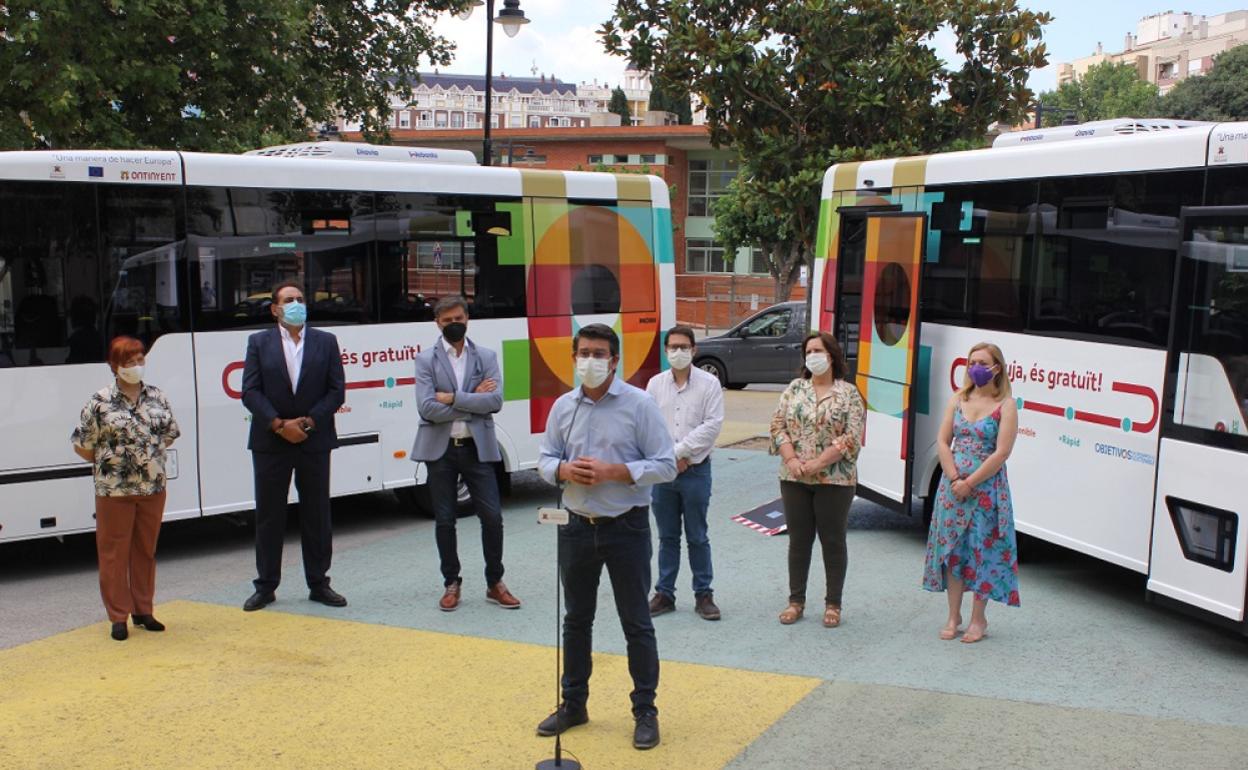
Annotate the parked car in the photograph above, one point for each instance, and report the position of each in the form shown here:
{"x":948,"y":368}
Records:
{"x":766,"y":347}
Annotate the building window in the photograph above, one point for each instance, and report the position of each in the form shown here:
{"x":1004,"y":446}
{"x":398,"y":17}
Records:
{"x":535,"y":121}
{"x":593,"y":159}
{"x":1166,"y":71}
{"x":405,"y":119}
{"x":1195,"y":67}
{"x":426,"y":120}
{"x":439,"y":120}
{"x":650,"y":158}
{"x":457,"y":120}
{"x":708,"y":179}
{"x":621,"y":158}
{"x":513,"y":121}
{"x":759,"y":261}
{"x":702,"y":255}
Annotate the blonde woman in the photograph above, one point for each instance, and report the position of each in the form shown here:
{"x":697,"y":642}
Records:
{"x":817,"y":431}
{"x":971,"y":544}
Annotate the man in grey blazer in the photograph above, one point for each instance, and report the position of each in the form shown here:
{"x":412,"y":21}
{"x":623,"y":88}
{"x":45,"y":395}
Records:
{"x":458,"y":390}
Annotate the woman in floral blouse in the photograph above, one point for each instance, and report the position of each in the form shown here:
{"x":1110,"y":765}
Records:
{"x":124,"y":430}
{"x":817,"y":431}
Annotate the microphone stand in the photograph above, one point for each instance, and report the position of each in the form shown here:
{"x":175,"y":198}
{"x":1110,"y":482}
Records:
{"x":559,"y":763}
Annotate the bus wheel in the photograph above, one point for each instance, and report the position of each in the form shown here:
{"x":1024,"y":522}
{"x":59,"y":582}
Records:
{"x":418,"y":501}
{"x":929,"y":503}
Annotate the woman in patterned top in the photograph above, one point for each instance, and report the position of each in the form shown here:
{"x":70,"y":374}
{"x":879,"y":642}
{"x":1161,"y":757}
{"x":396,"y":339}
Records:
{"x":817,"y":431}
{"x":123,"y":431}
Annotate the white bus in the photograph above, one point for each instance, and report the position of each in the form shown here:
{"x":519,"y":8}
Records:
{"x":181,"y":249}
{"x":1113,"y":273}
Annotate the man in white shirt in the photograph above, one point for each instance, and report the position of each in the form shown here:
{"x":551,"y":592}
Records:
{"x":693,"y":406}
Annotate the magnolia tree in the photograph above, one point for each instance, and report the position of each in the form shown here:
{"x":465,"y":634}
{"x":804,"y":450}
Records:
{"x":797,"y":85}
{"x":223,"y":75}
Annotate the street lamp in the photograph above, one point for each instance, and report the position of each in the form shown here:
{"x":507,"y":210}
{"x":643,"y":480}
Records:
{"x":511,"y":18}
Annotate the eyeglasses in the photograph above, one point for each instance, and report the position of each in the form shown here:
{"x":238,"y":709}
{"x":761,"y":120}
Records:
{"x":598,"y":354}
{"x":679,"y":348}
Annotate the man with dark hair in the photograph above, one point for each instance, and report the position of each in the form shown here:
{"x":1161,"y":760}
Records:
{"x":692,"y":403}
{"x":606,"y":445}
{"x":458,"y":390}
{"x":293,"y":383}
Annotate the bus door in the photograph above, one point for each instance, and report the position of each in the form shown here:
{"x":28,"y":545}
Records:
{"x":1200,"y":536}
{"x":887,"y":348}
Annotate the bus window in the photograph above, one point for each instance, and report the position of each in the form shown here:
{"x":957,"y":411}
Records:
{"x":1213,"y":328}
{"x":1105,"y":263}
{"x":141,"y":235}
{"x":428,"y":248}
{"x":50,"y":283}
{"x":244,"y":240}
{"x":987,"y":234}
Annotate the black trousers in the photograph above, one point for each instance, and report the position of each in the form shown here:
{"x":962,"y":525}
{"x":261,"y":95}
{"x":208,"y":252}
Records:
{"x":272,"y":476}
{"x":823,"y":510}
{"x":444,"y":475}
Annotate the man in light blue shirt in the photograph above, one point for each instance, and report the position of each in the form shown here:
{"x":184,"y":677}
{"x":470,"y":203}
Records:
{"x":606,"y":442}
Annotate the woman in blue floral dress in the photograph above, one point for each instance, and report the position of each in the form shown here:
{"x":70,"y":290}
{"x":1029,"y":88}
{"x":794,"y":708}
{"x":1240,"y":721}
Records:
{"x":971,"y":544}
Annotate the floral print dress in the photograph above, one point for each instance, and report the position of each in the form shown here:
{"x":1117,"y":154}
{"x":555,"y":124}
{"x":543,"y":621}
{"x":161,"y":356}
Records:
{"x":975,"y":536}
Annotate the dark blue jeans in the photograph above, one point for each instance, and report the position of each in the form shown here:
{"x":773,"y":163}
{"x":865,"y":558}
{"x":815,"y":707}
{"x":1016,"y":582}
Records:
{"x":623,"y":546}
{"x":684,"y":501}
{"x":443,"y":483}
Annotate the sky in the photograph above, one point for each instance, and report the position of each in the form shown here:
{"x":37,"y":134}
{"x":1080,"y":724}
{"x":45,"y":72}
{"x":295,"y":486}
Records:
{"x":561,"y":38}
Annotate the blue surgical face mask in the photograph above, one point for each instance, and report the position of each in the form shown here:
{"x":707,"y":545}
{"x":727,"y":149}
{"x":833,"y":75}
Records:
{"x":294,"y":314}
{"x":980,"y":375}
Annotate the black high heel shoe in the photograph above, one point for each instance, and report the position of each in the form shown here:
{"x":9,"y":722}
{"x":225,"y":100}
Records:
{"x":148,"y":622}
{"x":120,"y":632}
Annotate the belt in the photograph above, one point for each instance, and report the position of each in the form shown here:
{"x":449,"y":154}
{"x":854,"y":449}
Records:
{"x":602,"y":521}
{"x":461,"y":441}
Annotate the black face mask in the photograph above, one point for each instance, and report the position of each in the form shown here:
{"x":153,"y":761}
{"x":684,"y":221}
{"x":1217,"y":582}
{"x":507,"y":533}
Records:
{"x":454,"y":332}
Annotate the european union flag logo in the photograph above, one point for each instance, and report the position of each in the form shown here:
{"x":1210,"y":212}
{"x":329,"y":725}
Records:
{"x":95,"y":171}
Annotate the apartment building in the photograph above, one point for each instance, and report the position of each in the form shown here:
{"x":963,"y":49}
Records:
{"x":1168,"y":47}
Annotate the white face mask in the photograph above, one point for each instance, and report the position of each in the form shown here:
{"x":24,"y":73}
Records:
{"x":680,"y":359}
{"x":593,"y":371}
{"x":131,"y":374}
{"x":818,"y":363}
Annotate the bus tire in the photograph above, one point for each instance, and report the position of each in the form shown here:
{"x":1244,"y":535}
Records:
{"x":417,"y":500}
{"x":929,"y":502}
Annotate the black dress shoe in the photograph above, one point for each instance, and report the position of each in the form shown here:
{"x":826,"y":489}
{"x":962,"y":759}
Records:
{"x":565,"y":718}
{"x":646,"y":732}
{"x":120,"y":632}
{"x":258,"y":601}
{"x":328,"y":596}
{"x":148,"y":622}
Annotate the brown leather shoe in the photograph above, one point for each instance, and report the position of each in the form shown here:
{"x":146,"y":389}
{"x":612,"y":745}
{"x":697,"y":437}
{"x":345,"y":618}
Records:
{"x":450,"y":600}
{"x":706,"y":608}
{"x":661,"y":604}
{"x":502,"y":597}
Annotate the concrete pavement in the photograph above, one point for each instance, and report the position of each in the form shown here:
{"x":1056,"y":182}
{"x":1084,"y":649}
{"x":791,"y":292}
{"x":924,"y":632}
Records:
{"x":1084,"y":674}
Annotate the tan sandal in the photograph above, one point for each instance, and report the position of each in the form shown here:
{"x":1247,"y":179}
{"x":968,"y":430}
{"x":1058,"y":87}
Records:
{"x":831,"y":616}
{"x":792,"y":613}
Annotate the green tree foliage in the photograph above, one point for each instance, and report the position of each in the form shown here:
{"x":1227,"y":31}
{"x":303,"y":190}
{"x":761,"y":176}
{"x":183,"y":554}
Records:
{"x":797,"y":86}
{"x":1107,"y":90}
{"x":1219,"y":95}
{"x":619,"y":105}
{"x":675,"y":101}
{"x":223,"y":75}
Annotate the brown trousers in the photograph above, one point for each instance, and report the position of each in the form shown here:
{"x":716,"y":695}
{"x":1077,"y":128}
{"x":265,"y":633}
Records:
{"x":125,"y":538}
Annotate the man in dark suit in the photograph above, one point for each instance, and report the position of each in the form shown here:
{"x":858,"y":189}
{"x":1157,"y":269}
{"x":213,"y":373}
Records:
{"x":293,"y":383}
{"x":458,"y":390}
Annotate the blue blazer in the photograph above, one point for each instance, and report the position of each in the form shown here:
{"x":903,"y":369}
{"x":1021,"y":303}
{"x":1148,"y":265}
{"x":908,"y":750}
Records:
{"x":434,"y":374}
{"x":268,"y":393}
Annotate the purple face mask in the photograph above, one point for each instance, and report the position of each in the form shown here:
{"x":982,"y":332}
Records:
{"x":980,"y":375}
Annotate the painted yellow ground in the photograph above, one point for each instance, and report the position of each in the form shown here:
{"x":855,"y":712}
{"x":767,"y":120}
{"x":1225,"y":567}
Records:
{"x":225,"y":689}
